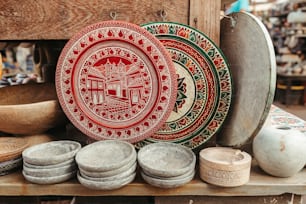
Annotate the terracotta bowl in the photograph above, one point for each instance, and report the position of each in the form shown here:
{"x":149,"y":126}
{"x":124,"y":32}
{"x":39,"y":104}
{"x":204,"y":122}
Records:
{"x":29,"y":109}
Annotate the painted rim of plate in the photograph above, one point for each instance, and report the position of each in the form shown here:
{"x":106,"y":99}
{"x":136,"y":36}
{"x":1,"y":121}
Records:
{"x":213,"y":126}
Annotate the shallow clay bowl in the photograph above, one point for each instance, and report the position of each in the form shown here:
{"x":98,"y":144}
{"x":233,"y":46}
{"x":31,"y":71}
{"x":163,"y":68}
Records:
{"x":29,"y":109}
{"x":168,"y":183}
{"x":70,"y":162}
{"x":166,"y":159}
{"x":49,"y":172}
{"x":106,"y":185}
{"x":119,"y":176}
{"x":50,"y":153}
{"x":47,"y":179}
{"x":105,"y":155}
{"x":109,"y":173}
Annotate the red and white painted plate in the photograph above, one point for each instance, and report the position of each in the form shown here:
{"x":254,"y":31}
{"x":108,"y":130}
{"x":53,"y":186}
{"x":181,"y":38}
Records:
{"x":115,"y":80}
{"x":204,"y":86}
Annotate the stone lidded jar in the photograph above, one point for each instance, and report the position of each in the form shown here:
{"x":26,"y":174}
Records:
{"x":280,"y":150}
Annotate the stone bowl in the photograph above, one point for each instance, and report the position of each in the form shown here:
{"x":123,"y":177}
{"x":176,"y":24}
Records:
{"x":119,"y":176}
{"x":47,"y":179}
{"x":30,"y":109}
{"x":166,"y":159}
{"x":50,"y":153}
{"x":105,"y":155}
{"x":49,"y":172}
{"x":106,"y":185}
{"x":180,"y":177}
{"x":171,"y":182}
{"x":70,"y":162}
{"x":109,"y":173}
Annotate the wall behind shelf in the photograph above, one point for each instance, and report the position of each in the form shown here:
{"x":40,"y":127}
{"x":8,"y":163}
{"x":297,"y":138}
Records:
{"x":60,"y":19}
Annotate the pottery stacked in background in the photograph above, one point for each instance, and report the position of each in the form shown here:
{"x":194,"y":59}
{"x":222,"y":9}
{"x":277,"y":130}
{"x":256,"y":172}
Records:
{"x":107,"y":165}
{"x":51,"y":162}
{"x":166,"y":165}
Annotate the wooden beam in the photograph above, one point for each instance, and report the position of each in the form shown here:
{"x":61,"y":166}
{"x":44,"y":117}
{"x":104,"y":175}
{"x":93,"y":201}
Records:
{"x":205,"y":16}
{"x":60,"y":19}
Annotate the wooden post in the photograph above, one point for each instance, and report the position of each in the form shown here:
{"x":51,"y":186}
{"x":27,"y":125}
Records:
{"x":205,"y":16}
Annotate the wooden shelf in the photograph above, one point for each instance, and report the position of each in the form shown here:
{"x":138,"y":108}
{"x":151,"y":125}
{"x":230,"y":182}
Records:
{"x":260,"y":184}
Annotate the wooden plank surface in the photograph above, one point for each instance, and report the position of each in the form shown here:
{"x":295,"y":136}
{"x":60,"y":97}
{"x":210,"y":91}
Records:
{"x":60,"y":19}
{"x":260,"y":184}
{"x":205,"y":16}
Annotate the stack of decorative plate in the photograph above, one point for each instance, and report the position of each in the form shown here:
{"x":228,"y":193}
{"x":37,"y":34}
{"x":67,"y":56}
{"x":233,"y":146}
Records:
{"x":51,"y":162}
{"x":107,"y":164}
{"x":166,"y":165}
{"x":10,"y":153}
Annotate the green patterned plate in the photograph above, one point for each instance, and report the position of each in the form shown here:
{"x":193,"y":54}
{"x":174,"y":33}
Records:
{"x":204,"y":86}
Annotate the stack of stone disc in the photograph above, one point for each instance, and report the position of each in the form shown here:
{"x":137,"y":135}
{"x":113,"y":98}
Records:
{"x":166,"y":165}
{"x":107,"y":165}
{"x":51,"y":162}
{"x":10,"y":153}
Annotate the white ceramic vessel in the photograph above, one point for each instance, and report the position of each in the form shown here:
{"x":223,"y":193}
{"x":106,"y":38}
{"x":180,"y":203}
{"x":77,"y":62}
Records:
{"x":280,"y":150}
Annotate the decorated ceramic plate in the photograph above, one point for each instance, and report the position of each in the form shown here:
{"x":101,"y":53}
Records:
{"x":204,"y":86}
{"x":115,"y":80}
